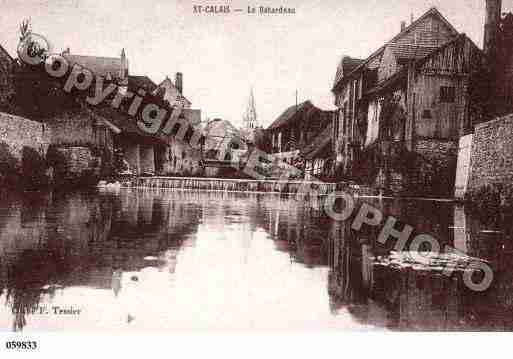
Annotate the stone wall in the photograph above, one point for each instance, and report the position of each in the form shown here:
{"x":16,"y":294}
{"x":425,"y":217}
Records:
{"x":17,"y":132}
{"x":64,"y":149}
{"x":82,"y":128}
{"x":71,"y":128}
{"x":75,"y":165}
{"x":440,"y":151}
{"x":23,"y":147}
{"x":429,"y":171}
{"x":491,"y":161}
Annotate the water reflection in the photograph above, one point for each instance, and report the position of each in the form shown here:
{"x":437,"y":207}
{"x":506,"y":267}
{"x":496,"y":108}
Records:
{"x":151,"y":259}
{"x":423,"y":299}
{"x":50,"y":242}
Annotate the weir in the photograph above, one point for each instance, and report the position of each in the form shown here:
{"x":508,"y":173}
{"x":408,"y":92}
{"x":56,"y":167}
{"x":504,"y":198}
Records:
{"x":246,"y":185}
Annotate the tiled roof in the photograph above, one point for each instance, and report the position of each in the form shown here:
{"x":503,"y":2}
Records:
{"x":168,"y":84}
{"x":431,"y":12}
{"x":347,"y":64}
{"x":420,"y":55}
{"x":461,"y":37}
{"x":410,"y":52}
{"x":6,"y":53}
{"x":100,"y":66}
{"x":289,"y":115}
{"x":387,"y":83}
{"x":137,"y":82}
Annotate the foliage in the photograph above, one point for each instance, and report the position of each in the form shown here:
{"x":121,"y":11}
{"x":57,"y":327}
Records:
{"x":392,"y":157}
{"x":31,"y":175}
{"x":390,"y":106}
{"x":33,"y":169}
{"x":39,"y":96}
{"x":490,"y":201}
{"x":9,"y":173}
{"x":34,"y":48}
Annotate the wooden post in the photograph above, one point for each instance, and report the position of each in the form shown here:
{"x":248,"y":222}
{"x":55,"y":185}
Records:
{"x":411,"y":99}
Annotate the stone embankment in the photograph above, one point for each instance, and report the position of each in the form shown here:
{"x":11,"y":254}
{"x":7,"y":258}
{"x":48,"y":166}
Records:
{"x":30,"y":159}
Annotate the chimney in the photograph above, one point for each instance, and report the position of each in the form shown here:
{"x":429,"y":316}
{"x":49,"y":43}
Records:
{"x":179,"y":82}
{"x":492,"y":20}
{"x":403,"y":25}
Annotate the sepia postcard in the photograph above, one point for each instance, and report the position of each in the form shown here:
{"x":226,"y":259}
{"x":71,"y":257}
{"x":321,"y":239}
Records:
{"x":173,"y":167}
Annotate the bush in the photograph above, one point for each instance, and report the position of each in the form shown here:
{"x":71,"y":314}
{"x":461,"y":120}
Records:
{"x":9,"y":171}
{"x":490,"y":201}
{"x":33,"y":169}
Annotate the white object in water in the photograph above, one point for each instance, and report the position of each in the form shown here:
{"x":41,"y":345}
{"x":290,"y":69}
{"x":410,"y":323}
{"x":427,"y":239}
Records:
{"x":114,"y":185}
{"x":109,"y":186}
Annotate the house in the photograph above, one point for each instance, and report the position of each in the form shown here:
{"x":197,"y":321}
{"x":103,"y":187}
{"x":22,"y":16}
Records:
{"x":80,"y":130}
{"x":402,"y":110}
{"x":145,"y":154}
{"x":173,"y":92}
{"x":81,"y":137}
{"x":112,"y":68}
{"x":223,"y":141}
{"x":318,"y":156}
{"x":294,"y":129}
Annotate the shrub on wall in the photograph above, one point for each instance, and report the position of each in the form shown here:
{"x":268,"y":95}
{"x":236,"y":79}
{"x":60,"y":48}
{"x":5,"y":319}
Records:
{"x":489,"y":202}
{"x":9,"y":171}
{"x":56,"y":160}
{"x":33,"y":169}
{"x":30,"y":174}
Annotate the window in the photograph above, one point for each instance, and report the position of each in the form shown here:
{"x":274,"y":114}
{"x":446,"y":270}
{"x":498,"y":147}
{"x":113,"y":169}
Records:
{"x":426,"y":114}
{"x":432,"y":24}
{"x":447,"y":94}
{"x":318,"y":165}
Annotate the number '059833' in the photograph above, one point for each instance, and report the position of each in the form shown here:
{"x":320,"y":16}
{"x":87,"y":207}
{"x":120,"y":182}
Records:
{"x":18,"y":345}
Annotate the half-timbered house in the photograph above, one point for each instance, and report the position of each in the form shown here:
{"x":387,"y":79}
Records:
{"x":403,"y":109}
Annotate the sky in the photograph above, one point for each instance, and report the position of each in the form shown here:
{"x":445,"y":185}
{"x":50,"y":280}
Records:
{"x":222,"y":56}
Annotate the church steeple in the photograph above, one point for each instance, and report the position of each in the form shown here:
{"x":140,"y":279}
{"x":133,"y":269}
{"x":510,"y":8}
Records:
{"x":250,"y":117}
{"x":123,"y":72}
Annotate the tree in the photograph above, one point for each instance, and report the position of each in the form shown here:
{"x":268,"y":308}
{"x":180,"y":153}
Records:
{"x":31,"y":43}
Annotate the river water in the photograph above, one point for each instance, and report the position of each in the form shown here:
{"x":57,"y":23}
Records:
{"x":178,"y":260}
